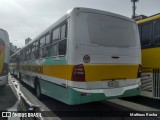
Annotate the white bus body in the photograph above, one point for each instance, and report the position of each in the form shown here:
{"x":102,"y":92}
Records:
{"x":99,"y":59}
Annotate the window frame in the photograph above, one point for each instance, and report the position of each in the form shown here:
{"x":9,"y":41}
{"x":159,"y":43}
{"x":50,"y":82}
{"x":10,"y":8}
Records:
{"x":59,"y":40}
{"x":154,"y":32}
{"x":65,"y":31}
{"x":150,"y":31}
{"x":49,"y":33}
{"x":41,"y":38}
{"x":45,"y":45}
{"x":66,"y":35}
{"x":55,"y":40}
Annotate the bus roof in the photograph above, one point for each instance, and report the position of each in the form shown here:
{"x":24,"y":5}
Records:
{"x":91,"y":10}
{"x":154,"y":17}
{"x":80,"y":9}
{"x":68,"y":14}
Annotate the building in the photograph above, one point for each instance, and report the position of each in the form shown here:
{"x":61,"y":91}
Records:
{"x":13,"y":48}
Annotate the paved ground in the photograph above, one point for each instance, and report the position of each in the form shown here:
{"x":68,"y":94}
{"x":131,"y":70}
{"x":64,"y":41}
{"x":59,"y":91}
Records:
{"x":150,"y":103}
{"x":7,"y":97}
{"x":114,"y":106}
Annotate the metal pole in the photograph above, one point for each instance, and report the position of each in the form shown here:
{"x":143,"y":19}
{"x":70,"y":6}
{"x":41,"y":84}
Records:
{"x":134,"y":8}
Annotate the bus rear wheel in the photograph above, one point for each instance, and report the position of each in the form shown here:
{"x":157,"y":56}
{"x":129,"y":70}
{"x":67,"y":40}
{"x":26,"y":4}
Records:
{"x":38,"y":90}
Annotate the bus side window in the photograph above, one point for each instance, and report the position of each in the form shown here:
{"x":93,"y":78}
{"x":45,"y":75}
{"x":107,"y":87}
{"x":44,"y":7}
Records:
{"x":36,"y":49}
{"x":47,"y":39}
{"x":24,"y":52}
{"x":44,"y":46}
{"x":62,"y":47}
{"x":33,"y":50}
{"x":54,"y":49}
{"x":146,"y":35}
{"x":63,"y":32}
{"x":54,"y":45}
{"x":41,"y":49}
{"x":28,"y":53}
{"x":23,"y":55}
{"x":56,"y":35}
{"x":157,"y":32}
{"x":47,"y":47}
{"x":42,"y":42}
{"x":63,"y":43}
{"x":20,"y":58}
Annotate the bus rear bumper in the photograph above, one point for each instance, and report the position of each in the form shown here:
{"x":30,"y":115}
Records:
{"x":3,"y":80}
{"x":79,"y":96}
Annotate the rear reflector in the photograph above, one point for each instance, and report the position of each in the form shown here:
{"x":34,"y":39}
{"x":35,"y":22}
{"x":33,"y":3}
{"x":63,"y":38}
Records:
{"x":83,"y":94}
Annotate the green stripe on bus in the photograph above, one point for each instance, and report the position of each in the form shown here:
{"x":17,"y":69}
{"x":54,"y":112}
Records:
{"x":55,"y":61}
{"x":70,"y":96}
{"x":74,"y":97}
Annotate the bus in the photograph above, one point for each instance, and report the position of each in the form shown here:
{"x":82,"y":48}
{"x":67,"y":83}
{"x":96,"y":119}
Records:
{"x":4,"y":58}
{"x":87,"y":55}
{"x":149,"y":29}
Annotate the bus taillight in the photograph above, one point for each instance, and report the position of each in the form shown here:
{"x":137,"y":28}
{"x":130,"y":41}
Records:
{"x":139,"y":71}
{"x":78,"y":73}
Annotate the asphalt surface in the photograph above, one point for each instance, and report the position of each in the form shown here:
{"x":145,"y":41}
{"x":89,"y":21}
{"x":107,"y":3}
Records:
{"x":7,"y":97}
{"x":146,"y":101}
{"x":112,"y":106}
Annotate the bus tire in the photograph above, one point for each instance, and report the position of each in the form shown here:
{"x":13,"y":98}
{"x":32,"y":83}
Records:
{"x":38,"y":90}
{"x":19,"y":77}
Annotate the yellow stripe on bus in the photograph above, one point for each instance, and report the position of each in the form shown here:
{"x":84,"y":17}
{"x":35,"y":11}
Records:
{"x":96,"y":72}
{"x":151,"y":58}
{"x":106,"y":72}
{"x":92,"y":72}
{"x":58,"y":71}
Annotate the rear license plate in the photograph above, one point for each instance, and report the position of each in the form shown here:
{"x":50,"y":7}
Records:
{"x":113,"y":84}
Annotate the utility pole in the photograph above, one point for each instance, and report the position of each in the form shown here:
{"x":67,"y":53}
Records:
{"x":134,"y":8}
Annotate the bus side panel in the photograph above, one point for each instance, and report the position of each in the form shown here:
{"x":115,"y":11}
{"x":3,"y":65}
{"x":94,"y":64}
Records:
{"x":76,"y":97}
{"x":149,"y":55}
{"x":53,"y":80}
{"x":150,"y":73}
{"x":55,"y":91}
{"x":4,"y":57}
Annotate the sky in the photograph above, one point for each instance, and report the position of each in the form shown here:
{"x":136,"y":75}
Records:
{"x":28,"y":18}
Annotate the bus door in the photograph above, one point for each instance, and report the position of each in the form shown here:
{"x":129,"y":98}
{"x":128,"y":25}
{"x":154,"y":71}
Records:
{"x":58,"y":53}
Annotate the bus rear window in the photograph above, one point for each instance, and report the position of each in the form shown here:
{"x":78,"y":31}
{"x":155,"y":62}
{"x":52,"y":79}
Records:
{"x":111,"y":31}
